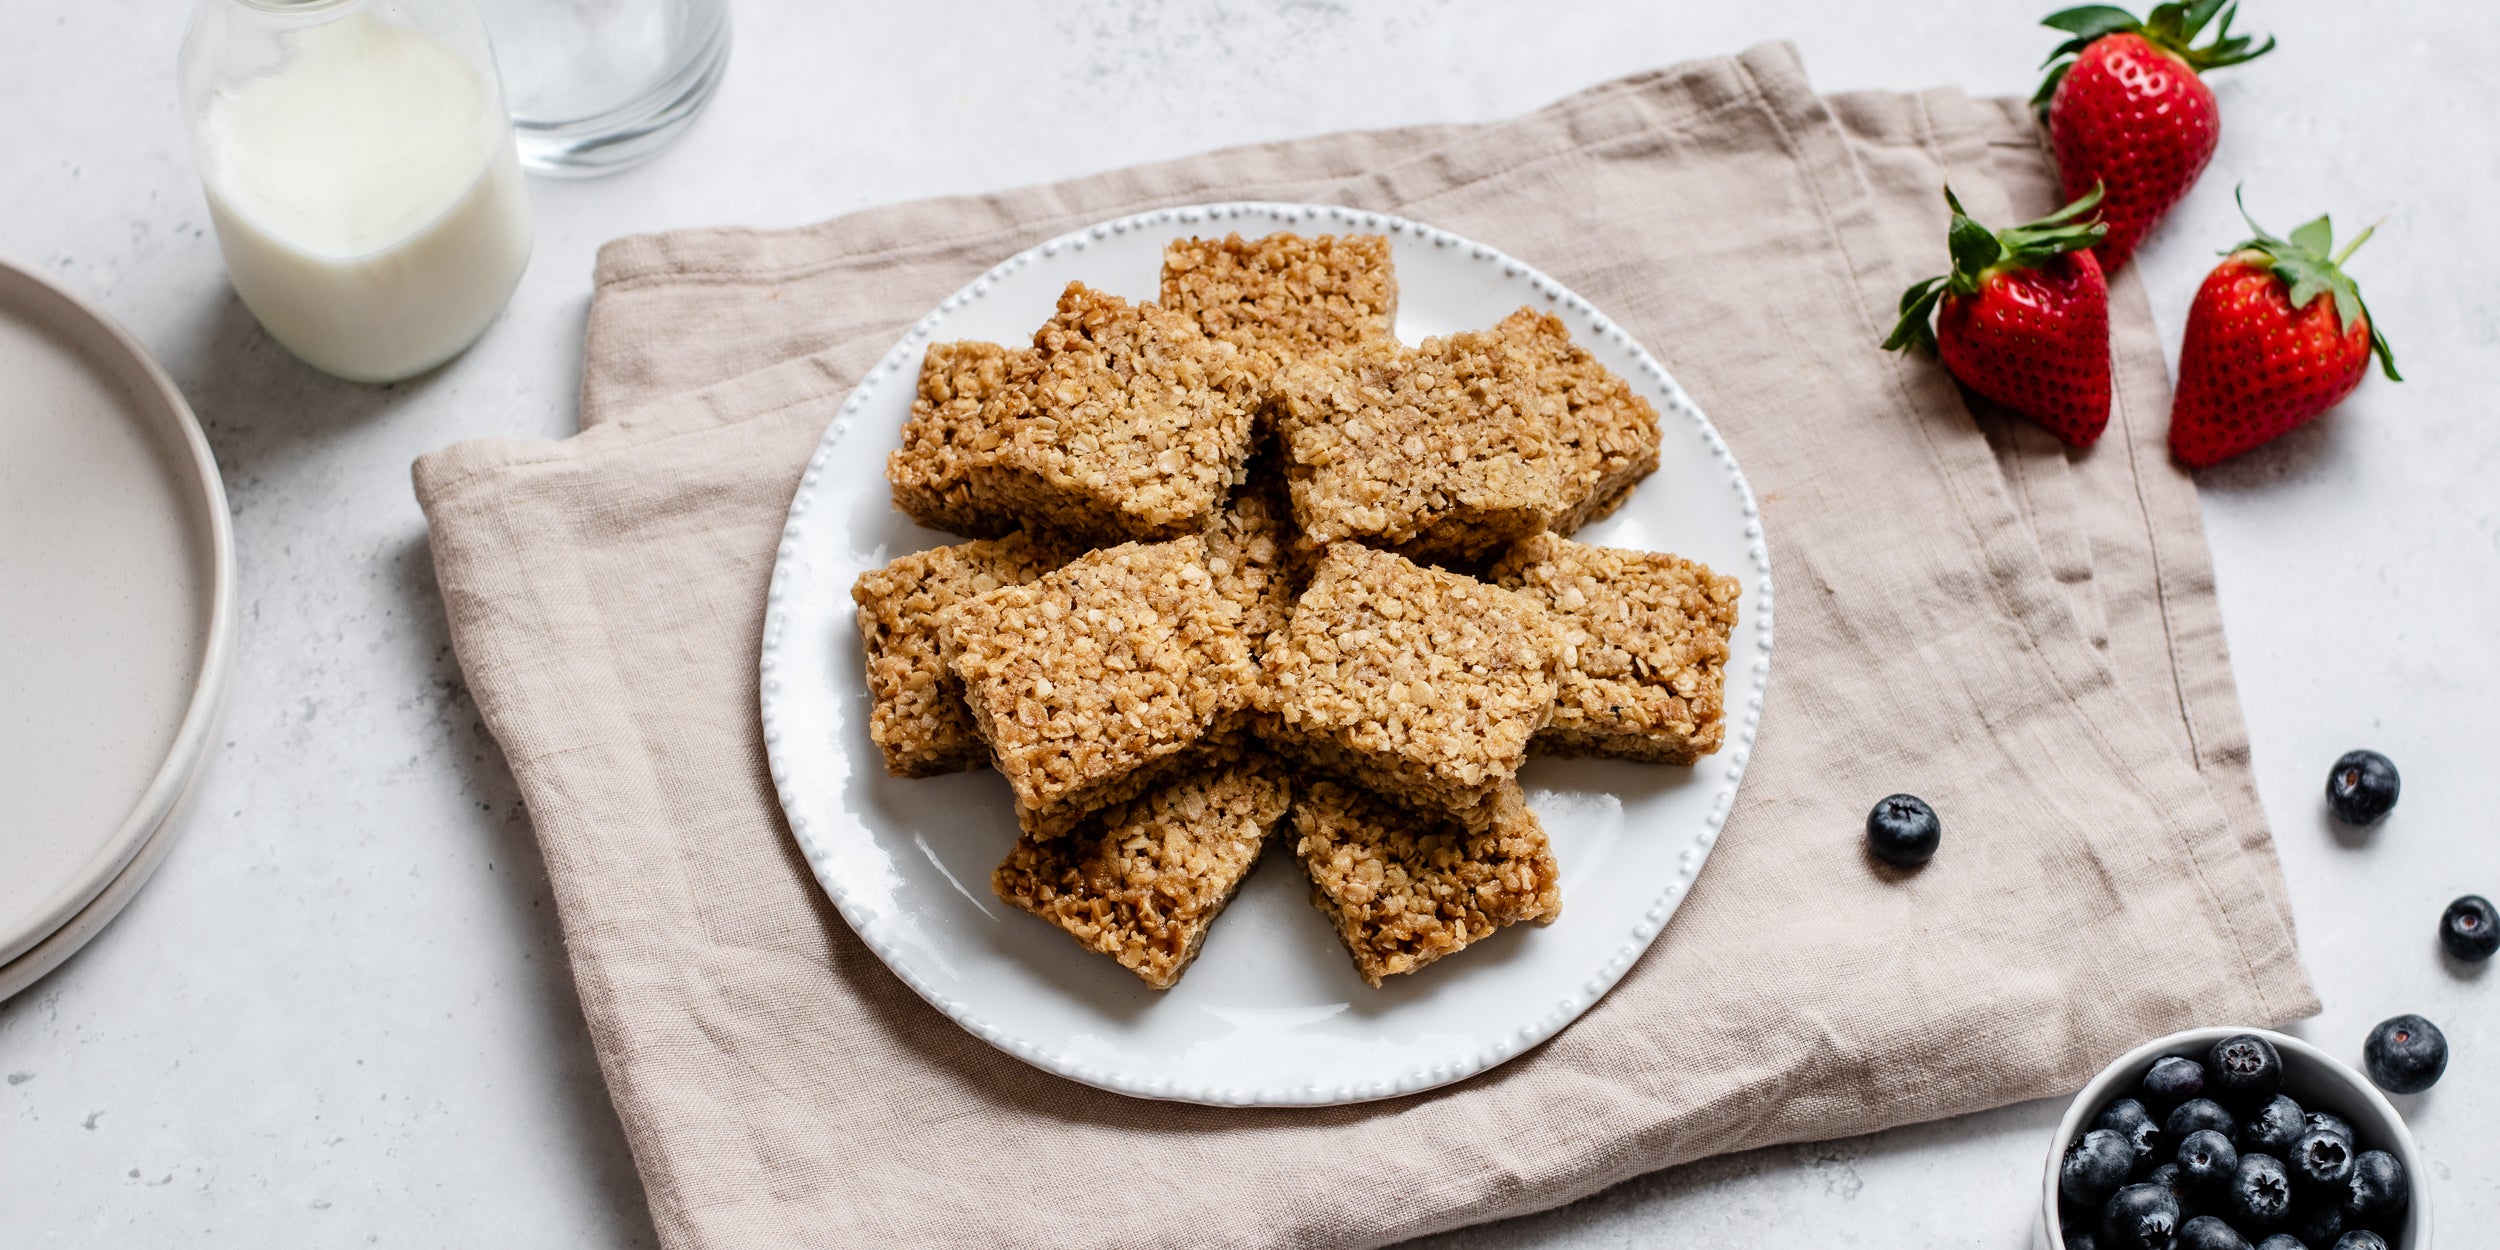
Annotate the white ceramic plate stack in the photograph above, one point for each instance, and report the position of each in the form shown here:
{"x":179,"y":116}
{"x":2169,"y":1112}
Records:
{"x":116,"y":619}
{"x":1272,"y":1012}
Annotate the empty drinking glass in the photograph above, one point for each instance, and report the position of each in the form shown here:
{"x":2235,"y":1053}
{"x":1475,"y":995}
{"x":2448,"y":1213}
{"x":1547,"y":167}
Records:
{"x":597,"y":85}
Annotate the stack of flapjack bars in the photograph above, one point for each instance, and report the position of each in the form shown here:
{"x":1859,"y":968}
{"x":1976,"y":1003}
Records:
{"x":1245,"y":528}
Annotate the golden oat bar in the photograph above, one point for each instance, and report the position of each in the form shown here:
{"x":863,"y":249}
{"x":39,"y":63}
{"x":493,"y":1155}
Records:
{"x":1606,"y":436}
{"x":1284,"y":296}
{"x":1142,"y":881}
{"x":1649,"y":648}
{"x":931,"y":472}
{"x":917,"y":715}
{"x":1134,"y":426}
{"x":1446,"y":451}
{"x":1093,"y":681}
{"x":1420,"y":683}
{"x":1405,"y":888}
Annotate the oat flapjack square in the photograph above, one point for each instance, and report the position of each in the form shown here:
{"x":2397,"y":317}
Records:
{"x":1132,"y":425}
{"x":932,"y":472}
{"x":1143,"y":881}
{"x":917,"y":715}
{"x":1649,"y":647}
{"x":1444,"y":451}
{"x":1406,"y":887}
{"x":1284,"y":296}
{"x":1605,"y":435}
{"x":1418,"y":682}
{"x":1093,"y":681}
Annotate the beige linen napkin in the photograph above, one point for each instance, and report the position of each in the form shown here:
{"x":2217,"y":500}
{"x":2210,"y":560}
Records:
{"x":2027,"y":637}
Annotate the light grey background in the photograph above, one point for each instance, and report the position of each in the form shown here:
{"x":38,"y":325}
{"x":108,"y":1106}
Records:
{"x":340,"y":1015}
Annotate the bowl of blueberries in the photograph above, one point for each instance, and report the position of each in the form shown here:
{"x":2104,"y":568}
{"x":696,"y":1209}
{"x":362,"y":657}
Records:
{"x":2240,"y":1139}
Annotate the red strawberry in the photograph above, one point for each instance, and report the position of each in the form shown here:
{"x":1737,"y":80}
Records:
{"x":2129,"y":113}
{"x":2263,"y":353}
{"x":2024,"y":318}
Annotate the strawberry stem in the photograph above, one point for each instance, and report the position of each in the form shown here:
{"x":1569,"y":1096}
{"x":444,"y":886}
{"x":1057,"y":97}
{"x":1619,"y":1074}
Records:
{"x":2303,"y":265}
{"x":2358,"y":240}
{"x":1979,"y":252}
{"x":2172,"y":27}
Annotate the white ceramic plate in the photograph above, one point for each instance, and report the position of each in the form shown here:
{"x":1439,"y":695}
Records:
{"x":1272,"y":1012}
{"x":116,"y":618}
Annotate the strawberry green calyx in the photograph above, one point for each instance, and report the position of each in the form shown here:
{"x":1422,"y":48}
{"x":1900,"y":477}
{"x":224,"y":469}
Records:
{"x":2171,"y":27}
{"x":1979,"y":252}
{"x":2306,"y":265}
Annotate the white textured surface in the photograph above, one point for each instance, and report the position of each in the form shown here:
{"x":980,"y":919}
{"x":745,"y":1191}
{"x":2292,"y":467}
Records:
{"x":340,"y":1015}
{"x":1272,"y":1013}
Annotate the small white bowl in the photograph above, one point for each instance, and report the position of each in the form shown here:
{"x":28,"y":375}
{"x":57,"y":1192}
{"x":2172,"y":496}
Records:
{"x":2314,"y":1079}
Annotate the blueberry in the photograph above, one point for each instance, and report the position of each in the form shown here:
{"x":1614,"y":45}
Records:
{"x":2199,"y":1113}
{"x":2167,"y":1176}
{"x":2245,"y":1071}
{"x":2274,"y":1128}
{"x":2174,"y":1079}
{"x":2140,"y":1217}
{"x":1903,"y":831}
{"x":2128,"y":1118}
{"x":2376,"y":1195}
{"x":2095,"y":1166}
{"x":2329,"y":1122}
{"x":2207,"y":1161}
{"x":2261,"y":1193}
{"x":2321,"y":1161}
{"x":2318,"y":1222}
{"x":2361,"y":1239}
{"x":2470,"y":929}
{"x":2281,"y":1241}
{"x":2081,"y":1239}
{"x":2207,"y":1232}
{"x":2362,"y":788}
{"x":2405,"y":1055}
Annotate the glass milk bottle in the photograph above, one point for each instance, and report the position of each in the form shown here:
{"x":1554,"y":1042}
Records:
{"x":360,"y":170}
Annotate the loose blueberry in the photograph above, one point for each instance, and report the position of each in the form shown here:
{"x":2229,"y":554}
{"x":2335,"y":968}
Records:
{"x":2197,"y":1114}
{"x":2470,"y":929}
{"x":2208,"y":1232}
{"x":2376,"y":1196}
{"x":2406,"y":1054}
{"x":2261,"y":1193}
{"x":2140,"y":1217}
{"x":2095,"y":1166}
{"x":2361,"y":1239}
{"x":2281,"y":1241}
{"x":2329,"y":1122}
{"x":2318,"y":1223}
{"x":2207,"y":1162}
{"x":2245,"y":1071}
{"x":2174,"y":1079}
{"x":2128,"y":1118}
{"x":1903,"y":831}
{"x":2362,"y":788}
{"x":2320,"y":1161}
{"x":2274,"y":1128}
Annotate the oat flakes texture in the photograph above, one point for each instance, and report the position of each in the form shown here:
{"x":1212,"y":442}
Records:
{"x":1143,"y":881}
{"x":1088,"y":677}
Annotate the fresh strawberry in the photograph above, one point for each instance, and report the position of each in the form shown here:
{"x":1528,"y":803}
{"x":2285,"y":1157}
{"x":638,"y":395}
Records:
{"x":2264,"y":353}
{"x":2127,"y":111}
{"x":2023,"y":319}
